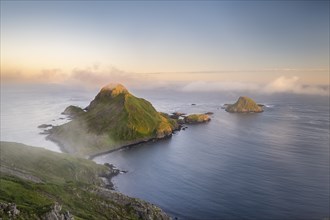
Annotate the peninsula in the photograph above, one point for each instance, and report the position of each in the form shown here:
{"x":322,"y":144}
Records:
{"x":115,"y":118}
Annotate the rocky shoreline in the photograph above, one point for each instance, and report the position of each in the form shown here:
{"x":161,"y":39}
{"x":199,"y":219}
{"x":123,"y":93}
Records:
{"x":65,"y":188}
{"x":128,"y":146}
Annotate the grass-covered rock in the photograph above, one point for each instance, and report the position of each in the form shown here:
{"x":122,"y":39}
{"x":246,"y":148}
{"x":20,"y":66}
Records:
{"x":244,"y":105}
{"x":196,"y":118}
{"x":40,"y":184}
{"x":73,"y":111}
{"x":113,"y":119}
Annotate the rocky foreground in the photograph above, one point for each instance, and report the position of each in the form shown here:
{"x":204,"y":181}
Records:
{"x":40,"y":184}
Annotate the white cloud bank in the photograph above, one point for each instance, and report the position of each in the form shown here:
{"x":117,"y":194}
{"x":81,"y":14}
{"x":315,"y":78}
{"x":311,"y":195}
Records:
{"x":98,"y":76}
{"x":282,"y":84}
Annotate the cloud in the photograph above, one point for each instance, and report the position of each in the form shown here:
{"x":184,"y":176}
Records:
{"x":281,"y":84}
{"x":11,"y":76}
{"x":98,"y":76}
{"x":203,"y":86}
{"x":51,"y":75}
{"x":292,"y":85}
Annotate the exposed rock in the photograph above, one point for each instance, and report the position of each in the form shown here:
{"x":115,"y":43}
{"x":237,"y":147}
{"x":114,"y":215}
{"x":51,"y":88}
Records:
{"x":8,"y":210}
{"x":176,"y":115}
{"x":196,"y":118}
{"x":56,"y":214}
{"x":140,"y":209}
{"x":45,"y":126}
{"x":244,"y":105}
{"x":181,"y":121}
{"x":209,"y":113}
{"x":73,"y":111}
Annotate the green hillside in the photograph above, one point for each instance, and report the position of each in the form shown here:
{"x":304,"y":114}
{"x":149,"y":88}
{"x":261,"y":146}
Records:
{"x":39,"y":182}
{"x":113,"y":119}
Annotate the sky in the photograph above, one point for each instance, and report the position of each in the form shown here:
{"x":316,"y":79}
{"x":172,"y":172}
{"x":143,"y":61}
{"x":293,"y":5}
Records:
{"x":228,"y":43}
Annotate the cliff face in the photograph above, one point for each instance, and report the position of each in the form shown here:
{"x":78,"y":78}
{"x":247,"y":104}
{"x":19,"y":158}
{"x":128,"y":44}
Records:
{"x":244,"y":105}
{"x":40,"y":184}
{"x":114,"y":118}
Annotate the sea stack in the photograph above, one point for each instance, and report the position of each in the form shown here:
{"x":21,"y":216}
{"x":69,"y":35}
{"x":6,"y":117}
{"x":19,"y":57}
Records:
{"x":244,"y":105}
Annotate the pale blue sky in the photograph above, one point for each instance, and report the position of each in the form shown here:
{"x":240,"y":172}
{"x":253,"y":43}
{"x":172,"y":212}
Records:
{"x":167,"y":36}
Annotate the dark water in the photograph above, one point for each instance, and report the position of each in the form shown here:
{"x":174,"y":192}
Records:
{"x":272,"y":165}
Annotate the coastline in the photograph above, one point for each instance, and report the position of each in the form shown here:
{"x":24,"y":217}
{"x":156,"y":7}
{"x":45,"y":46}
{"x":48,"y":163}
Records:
{"x":28,"y":182}
{"x":91,"y":156}
{"x":128,"y":146}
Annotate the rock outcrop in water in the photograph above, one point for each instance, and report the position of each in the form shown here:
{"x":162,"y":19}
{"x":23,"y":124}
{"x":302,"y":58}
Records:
{"x":244,"y":105}
{"x":114,"y":118}
{"x":196,"y":118}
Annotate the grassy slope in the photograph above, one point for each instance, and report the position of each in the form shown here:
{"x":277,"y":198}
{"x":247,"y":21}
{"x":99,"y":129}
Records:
{"x":112,"y":122}
{"x":70,"y":181}
{"x":48,"y":165}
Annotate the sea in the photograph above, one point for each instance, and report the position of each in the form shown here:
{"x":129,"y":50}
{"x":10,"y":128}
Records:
{"x":270,"y":165}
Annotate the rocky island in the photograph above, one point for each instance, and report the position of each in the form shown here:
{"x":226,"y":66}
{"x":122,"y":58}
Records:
{"x":196,"y":118}
{"x":244,"y":105}
{"x":115,"y":118}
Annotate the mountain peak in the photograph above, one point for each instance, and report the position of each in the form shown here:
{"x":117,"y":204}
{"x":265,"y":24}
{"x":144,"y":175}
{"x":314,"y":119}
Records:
{"x":114,"y":88}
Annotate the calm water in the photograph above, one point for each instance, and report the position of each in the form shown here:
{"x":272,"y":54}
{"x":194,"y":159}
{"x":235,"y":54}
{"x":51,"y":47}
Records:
{"x":273,"y":165}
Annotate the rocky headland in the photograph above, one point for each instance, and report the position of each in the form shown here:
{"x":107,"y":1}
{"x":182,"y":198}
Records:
{"x":115,"y":118}
{"x":41,"y":184}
